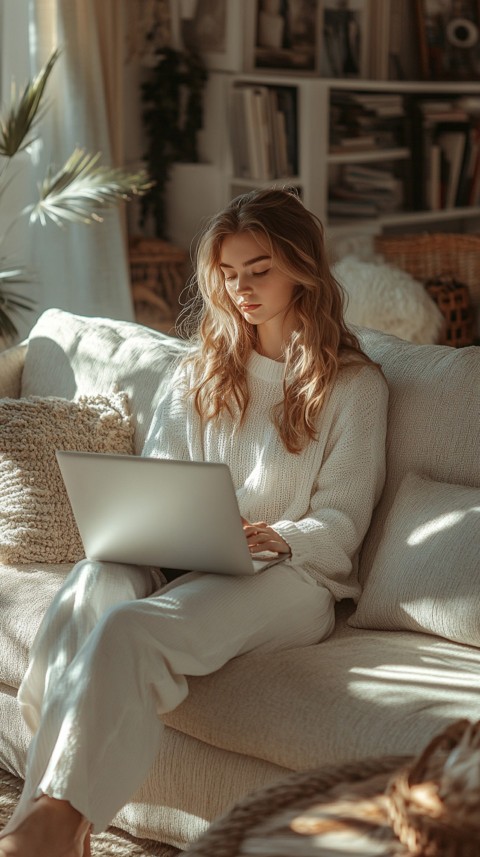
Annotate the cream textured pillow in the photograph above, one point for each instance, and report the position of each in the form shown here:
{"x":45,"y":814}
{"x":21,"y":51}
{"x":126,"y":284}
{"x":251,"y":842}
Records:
{"x":36,"y":521}
{"x":426,"y":572}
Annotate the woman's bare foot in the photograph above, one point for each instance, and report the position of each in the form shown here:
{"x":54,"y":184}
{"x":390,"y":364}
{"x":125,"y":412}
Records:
{"x":51,"y":828}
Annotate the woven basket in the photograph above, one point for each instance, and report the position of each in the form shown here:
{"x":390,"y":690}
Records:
{"x":453,"y":301}
{"x":434,"y":257}
{"x":158,"y":273}
{"x":420,"y":817}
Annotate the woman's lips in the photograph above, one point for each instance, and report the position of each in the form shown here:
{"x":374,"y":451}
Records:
{"x":248,"y":307}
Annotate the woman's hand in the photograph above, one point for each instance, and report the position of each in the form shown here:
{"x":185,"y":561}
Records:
{"x":261,"y":537}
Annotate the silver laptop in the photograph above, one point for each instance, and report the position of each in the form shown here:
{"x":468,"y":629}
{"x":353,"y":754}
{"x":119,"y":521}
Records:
{"x":152,"y":511}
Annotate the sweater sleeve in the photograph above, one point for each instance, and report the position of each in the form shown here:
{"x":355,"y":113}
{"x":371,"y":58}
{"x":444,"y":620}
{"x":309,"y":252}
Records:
{"x":348,"y":484}
{"x":175,"y":431}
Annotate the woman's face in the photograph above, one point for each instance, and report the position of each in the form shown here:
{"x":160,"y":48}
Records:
{"x":262,"y":293}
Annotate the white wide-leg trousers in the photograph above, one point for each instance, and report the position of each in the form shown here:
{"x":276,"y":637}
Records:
{"x":113,"y":652}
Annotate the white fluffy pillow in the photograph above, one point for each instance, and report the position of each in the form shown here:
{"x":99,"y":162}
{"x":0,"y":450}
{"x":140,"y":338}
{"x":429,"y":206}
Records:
{"x":36,"y":520}
{"x":385,"y":298}
{"x":426,"y":572}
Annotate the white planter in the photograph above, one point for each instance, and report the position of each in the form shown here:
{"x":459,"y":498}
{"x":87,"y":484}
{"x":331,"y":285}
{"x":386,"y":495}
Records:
{"x":194,"y":194}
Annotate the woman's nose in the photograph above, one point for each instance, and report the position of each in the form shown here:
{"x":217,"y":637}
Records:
{"x":242,"y":285}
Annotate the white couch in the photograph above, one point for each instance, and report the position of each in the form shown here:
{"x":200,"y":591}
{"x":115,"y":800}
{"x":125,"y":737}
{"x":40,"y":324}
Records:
{"x":386,"y":688}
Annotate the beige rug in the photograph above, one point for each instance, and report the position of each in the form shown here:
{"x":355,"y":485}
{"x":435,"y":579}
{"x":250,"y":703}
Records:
{"x":112,"y":843}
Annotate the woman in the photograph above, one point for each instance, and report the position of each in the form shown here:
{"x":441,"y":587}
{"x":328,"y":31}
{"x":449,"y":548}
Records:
{"x":279,"y":389}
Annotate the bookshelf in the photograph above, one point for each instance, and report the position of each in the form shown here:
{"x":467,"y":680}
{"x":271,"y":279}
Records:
{"x":273,"y":115}
{"x":329,"y":161}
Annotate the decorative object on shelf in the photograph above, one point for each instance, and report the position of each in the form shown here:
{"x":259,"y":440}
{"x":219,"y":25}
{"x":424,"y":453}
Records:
{"x":449,"y":39}
{"x":286,"y":35}
{"x":212,"y":28}
{"x":76,"y":193}
{"x":159,"y":272}
{"x":344,"y":51}
{"x":432,"y":255}
{"x":172,"y":115}
{"x":434,"y":802}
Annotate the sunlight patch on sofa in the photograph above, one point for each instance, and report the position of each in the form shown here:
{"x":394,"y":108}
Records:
{"x":398,"y":680}
{"x":436,"y":525}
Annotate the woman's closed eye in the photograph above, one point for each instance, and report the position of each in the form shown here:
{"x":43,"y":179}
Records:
{"x":229,"y":278}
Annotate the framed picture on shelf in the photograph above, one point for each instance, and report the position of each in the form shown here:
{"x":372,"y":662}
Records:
{"x":213,"y":28}
{"x":449,"y":39}
{"x":285,"y":35}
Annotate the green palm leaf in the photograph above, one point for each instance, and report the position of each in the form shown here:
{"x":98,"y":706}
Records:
{"x":80,"y":189}
{"x":22,"y":116}
{"x":12,"y":303}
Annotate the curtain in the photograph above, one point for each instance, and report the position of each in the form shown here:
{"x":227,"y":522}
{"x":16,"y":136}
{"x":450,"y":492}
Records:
{"x":80,"y":268}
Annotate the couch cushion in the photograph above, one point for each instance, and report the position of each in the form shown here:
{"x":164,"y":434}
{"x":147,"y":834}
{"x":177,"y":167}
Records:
{"x":26,"y":592}
{"x":433,"y":420}
{"x":36,"y":519}
{"x":70,"y":355}
{"x":426,"y":572}
{"x":368,"y":693}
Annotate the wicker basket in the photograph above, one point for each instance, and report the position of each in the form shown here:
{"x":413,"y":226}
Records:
{"x":453,"y":301}
{"x":433,"y":257}
{"x":159,"y":272}
{"x":419,"y":813}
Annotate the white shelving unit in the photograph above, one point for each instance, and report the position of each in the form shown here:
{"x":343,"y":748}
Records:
{"x":315,"y":160}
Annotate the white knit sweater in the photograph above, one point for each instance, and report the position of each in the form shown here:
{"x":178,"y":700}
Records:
{"x":320,"y":500}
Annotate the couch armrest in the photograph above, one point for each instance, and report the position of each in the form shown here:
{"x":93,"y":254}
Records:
{"x":11,"y":368}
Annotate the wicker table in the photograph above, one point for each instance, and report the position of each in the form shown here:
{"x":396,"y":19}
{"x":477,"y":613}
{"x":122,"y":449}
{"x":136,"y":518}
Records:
{"x":261,"y":823}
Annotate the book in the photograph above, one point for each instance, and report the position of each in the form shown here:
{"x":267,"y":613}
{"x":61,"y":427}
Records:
{"x":474,"y":194}
{"x":238,"y":134}
{"x":369,"y":176}
{"x":281,"y":151}
{"x":382,"y":201}
{"x":379,"y":28}
{"x":443,"y":111}
{"x":287,"y":104}
{"x":464,"y":177}
{"x":263,"y":132}
{"x":467,"y":172}
{"x":433,"y":195}
{"x":452,"y":144}
{"x":254,"y":160}
{"x":363,"y":142}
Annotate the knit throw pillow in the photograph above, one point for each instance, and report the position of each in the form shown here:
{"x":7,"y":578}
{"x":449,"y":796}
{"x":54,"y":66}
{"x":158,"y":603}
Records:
{"x":426,"y":572}
{"x":36,"y":520}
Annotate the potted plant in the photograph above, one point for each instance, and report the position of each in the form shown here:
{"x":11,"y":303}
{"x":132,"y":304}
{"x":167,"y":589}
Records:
{"x":76,"y":193}
{"x":172,"y":99}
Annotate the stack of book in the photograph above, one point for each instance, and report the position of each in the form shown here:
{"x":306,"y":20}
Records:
{"x":365,"y":191}
{"x":446,"y":149}
{"x":264,"y":131}
{"x":363,"y":120}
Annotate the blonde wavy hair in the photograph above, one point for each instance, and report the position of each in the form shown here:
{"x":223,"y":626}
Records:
{"x":319,"y":348}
